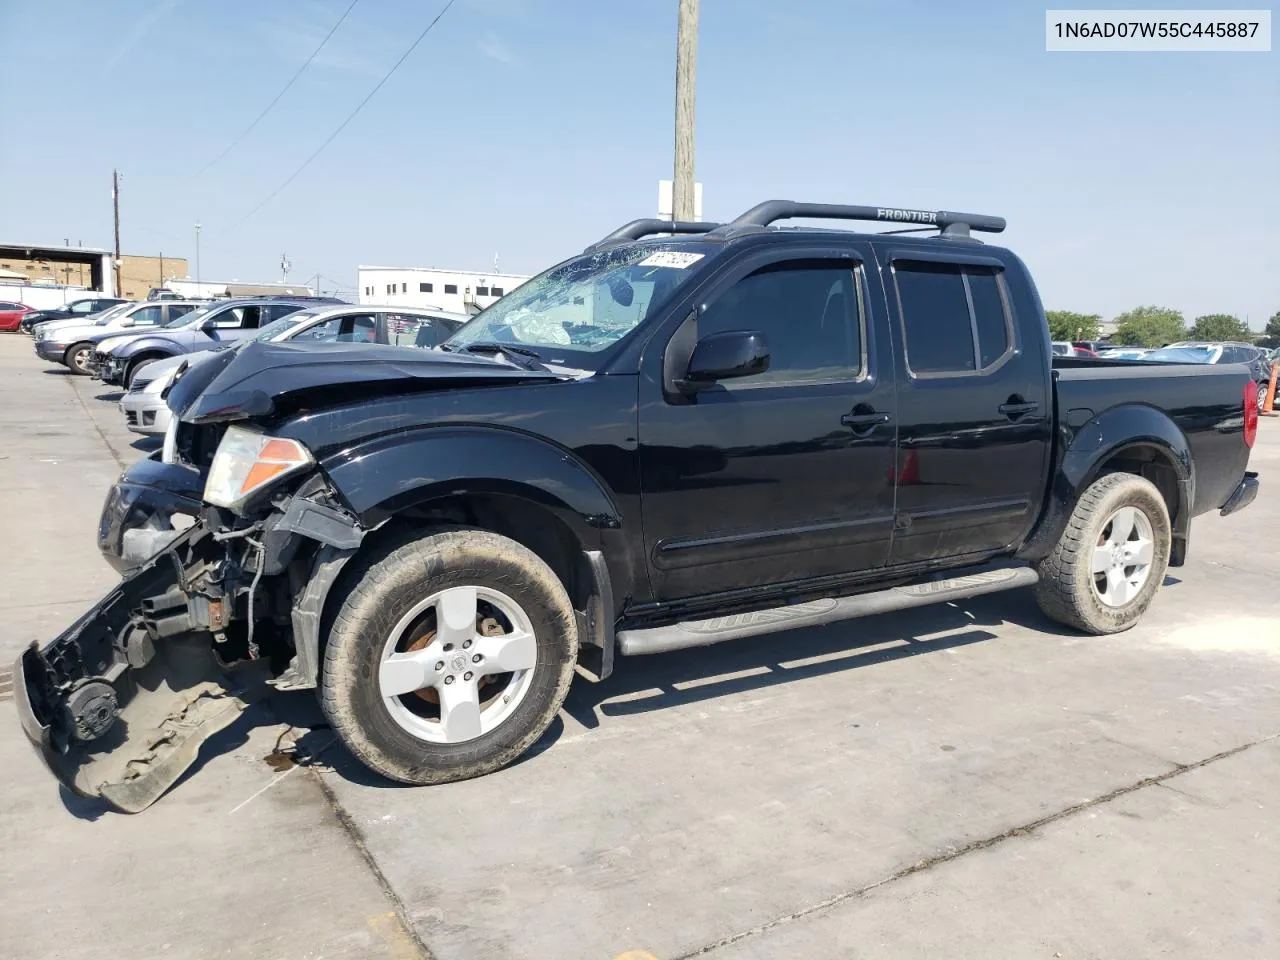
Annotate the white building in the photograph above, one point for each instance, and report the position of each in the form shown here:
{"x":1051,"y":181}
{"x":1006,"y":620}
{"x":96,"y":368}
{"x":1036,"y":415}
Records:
{"x":458,"y":291}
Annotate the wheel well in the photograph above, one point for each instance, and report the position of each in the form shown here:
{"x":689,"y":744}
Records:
{"x":1154,"y":464}
{"x":145,"y":357}
{"x":524,"y":521}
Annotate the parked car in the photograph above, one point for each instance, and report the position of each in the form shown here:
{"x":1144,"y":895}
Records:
{"x":815,"y":424}
{"x":11,"y":314}
{"x":1062,"y":348}
{"x":72,"y":342}
{"x":1125,"y":353}
{"x":1091,"y":347}
{"x":76,"y":310}
{"x":1189,"y":351}
{"x":146,"y":412}
{"x":115,"y":359}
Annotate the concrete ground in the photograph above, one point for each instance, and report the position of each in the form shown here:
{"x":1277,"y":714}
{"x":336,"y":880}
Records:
{"x":962,"y":781}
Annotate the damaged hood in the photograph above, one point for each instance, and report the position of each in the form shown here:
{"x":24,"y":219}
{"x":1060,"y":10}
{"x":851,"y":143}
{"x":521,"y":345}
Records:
{"x":263,"y":378}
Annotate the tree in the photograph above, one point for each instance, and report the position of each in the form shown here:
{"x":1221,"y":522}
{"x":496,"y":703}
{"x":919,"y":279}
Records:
{"x":1149,"y":327}
{"x":1065,"y":325}
{"x":1220,"y":326}
{"x":1271,"y":335}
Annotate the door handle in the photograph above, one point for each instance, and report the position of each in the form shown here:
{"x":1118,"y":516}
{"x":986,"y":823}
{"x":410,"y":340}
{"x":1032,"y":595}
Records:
{"x":864,"y":421}
{"x":1014,"y":409}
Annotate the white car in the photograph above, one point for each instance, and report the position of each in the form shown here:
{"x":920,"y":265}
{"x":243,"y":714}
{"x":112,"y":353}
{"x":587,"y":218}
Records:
{"x":144,"y":407}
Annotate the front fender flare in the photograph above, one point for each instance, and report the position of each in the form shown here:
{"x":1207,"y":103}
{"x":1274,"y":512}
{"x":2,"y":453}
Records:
{"x":1084,"y":454}
{"x":396,"y":471}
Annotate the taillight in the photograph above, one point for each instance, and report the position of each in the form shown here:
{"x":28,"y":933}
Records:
{"x":1250,"y":413}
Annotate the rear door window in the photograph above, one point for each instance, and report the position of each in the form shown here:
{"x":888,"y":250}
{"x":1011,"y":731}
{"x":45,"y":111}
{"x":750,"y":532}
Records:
{"x":147,"y":316}
{"x":954,"y":317}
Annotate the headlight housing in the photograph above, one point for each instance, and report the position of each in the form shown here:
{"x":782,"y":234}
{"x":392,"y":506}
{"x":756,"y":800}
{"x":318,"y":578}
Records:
{"x":248,"y":460}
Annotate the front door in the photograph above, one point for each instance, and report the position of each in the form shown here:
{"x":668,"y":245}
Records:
{"x":785,"y":475}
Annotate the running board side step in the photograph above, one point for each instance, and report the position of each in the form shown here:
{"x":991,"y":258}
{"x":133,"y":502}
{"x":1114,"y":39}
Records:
{"x":812,"y":613}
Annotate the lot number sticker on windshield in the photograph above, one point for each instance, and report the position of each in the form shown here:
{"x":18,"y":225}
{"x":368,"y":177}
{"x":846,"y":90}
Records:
{"x":671,"y":258}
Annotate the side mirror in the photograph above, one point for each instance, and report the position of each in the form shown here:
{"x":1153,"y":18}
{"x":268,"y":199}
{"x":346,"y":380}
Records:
{"x":127,"y":322}
{"x":208,"y":324}
{"x":724,"y":356}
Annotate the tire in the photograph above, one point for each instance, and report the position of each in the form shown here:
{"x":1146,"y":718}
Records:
{"x":77,"y":358}
{"x":1262,"y":394}
{"x":126,"y":378}
{"x":1071,"y":593}
{"x":396,"y":735}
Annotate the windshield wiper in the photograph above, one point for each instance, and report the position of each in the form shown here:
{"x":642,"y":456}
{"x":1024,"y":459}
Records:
{"x":504,"y":348}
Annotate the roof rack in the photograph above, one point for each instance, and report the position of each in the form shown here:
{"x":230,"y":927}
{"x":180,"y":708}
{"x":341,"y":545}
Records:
{"x":646,"y":228}
{"x":951,"y":224}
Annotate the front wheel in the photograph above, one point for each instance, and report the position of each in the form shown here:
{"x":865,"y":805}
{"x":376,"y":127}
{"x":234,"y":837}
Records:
{"x":1102,"y":574}
{"x":77,"y":358}
{"x":449,"y":658}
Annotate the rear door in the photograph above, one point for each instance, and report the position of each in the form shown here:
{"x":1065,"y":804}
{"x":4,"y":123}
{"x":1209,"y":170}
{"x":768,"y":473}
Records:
{"x":784,"y":476}
{"x":974,"y":408}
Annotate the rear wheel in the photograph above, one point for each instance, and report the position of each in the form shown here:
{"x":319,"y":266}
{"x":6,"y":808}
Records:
{"x":1110,"y":560}
{"x":1262,"y":394}
{"x":77,"y":358}
{"x":450,"y":656}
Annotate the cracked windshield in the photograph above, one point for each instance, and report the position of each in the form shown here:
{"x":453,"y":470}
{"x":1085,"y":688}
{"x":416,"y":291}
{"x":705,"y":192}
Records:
{"x":587,"y":304}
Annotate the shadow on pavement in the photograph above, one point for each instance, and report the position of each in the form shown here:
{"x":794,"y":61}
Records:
{"x":643,"y":684}
{"x":148,"y":443}
{"x":109,"y":397}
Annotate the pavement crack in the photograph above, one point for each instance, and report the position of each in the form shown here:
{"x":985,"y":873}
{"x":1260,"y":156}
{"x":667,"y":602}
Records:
{"x":358,"y":841}
{"x":96,"y":429}
{"x":920,"y":866}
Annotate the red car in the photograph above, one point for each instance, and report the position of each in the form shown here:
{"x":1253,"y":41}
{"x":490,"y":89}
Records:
{"x":11,"y":315}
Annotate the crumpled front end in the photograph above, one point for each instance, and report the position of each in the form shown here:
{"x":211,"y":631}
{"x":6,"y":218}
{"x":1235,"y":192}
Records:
{"x":209,"y":613}
{"x":119,"y":704}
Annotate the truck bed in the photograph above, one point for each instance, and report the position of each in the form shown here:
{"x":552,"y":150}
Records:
{"x":1090,"y":391}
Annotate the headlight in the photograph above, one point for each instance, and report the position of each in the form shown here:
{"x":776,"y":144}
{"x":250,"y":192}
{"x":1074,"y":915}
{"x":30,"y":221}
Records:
{"x":247,"y":461}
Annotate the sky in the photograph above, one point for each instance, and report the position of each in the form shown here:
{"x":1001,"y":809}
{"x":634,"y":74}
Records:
{"x":526,"y":129}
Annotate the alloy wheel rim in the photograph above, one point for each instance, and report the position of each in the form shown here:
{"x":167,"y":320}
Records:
{"x":1122,"y":557}
{"x":457,"y":664}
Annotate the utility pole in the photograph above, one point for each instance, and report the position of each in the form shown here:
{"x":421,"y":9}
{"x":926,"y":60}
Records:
{"x":199,"y":292}
{"x":115,"y":204}
{"x":162,"y":268}
{"x":686,"y":58}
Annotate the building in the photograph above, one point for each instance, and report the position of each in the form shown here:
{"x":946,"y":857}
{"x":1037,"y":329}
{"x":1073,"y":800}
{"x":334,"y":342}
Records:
{"x":88,"y":268}
{"x":458,"y":291}
{"x":214,"y":289}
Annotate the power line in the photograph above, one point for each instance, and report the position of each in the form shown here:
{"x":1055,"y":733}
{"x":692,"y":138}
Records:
{"x":283,"y":91}
{"x":351,"y":116}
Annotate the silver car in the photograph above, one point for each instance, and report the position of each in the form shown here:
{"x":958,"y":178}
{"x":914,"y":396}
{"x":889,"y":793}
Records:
{"x":72,"y":342}
{"x":144,"y":407}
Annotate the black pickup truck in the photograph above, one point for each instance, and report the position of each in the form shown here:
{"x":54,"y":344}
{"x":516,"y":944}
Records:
{"x":690,"y":433}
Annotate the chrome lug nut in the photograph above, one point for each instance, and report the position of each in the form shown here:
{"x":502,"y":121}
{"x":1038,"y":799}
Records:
{"x":449,"y":679}
{"x":467,"y":675}
{"x":439,"y":665}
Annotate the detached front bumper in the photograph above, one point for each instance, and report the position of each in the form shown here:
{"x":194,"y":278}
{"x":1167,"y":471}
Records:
{"x":118,"y":705}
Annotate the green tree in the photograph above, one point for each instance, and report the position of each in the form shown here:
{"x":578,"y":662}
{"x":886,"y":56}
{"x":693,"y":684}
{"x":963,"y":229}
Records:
{"x":1065,"y":325}
{"x":1271,"y":335}
{"x":1149,"y":327}
{"x":1220,"y":326}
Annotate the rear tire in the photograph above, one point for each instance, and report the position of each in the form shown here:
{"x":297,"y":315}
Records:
{"x":1102,"y":574}
{"x":407,"y":610}
{"x":77,"y":358}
